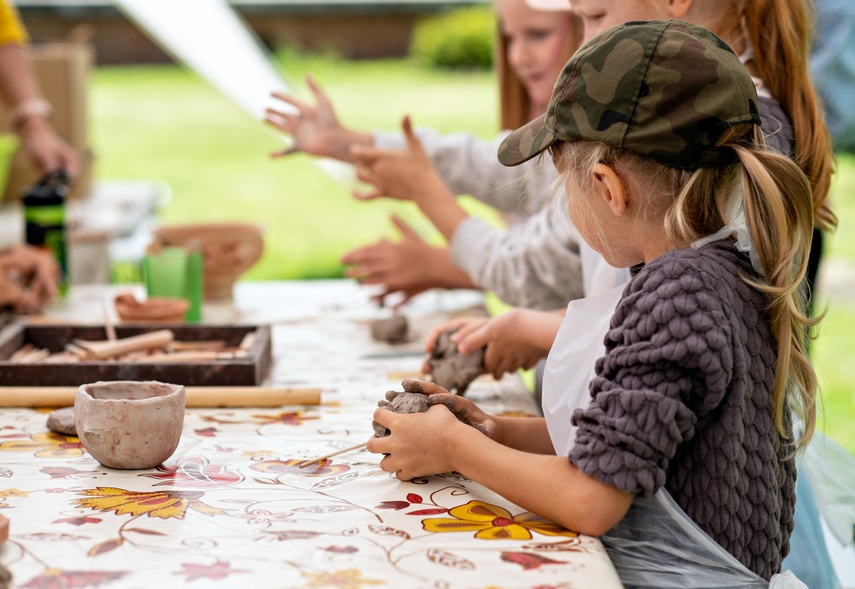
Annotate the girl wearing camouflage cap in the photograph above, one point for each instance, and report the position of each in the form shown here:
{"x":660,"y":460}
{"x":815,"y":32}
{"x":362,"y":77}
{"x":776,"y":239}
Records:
{"x":687,"y":445}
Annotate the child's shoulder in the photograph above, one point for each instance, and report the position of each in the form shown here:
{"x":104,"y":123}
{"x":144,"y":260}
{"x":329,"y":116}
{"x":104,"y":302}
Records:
{"x":690,"y":269}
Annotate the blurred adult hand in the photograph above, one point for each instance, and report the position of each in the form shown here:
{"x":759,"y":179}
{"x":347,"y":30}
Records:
{"x":28,"y":279}
{"x":47,"y":150}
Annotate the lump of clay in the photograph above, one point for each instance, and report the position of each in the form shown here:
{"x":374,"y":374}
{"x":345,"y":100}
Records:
{"x":61,"y":421}
{"x":391,"y":331}
{"x":406,"y":402}
{"x":450,"y":369}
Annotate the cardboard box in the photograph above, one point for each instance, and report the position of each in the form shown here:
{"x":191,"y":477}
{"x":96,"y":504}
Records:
{"x":62,"y":71}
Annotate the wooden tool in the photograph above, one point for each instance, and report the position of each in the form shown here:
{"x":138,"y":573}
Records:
{"x":106,"y":349}
{"x":320,"y":459}
{"x":239,"y":396}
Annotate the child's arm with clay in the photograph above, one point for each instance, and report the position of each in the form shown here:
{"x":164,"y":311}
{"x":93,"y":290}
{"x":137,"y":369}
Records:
{"x":514,"y":340}
{"x":436,"y":441}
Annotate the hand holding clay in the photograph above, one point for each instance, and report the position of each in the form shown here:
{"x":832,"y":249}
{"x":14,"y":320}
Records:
{"x":451,"y":369}
{"x":412,"y":400}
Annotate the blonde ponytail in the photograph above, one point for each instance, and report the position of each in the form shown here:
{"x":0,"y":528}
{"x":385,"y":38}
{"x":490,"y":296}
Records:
{"x":781,"y":32}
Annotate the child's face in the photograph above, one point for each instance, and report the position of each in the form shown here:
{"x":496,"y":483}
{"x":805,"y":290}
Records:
{"x":598,"y":15}
{"x":537,"y":46}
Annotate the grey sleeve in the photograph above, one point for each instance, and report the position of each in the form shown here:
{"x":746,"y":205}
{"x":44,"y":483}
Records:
{"x":668,"y":361}
{"x":469,"y":165}
{"x":533,"y":264}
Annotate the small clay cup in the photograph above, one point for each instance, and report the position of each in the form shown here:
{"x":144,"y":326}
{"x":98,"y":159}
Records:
{"x":129,"y":424}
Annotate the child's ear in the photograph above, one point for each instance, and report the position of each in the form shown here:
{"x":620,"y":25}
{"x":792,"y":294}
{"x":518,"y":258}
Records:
{"x":611,"y":188}
{"x":679,"y":8}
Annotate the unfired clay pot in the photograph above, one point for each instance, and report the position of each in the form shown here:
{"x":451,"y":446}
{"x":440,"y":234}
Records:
{"x":228,"y":250}
{"x":129,"y":424}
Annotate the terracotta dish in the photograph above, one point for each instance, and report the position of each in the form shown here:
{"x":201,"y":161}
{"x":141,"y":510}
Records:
{"x":164,"y":309}
{"x":228,"y":250}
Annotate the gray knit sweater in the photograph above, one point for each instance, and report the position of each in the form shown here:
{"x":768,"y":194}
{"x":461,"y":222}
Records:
{"x":683,"y":399}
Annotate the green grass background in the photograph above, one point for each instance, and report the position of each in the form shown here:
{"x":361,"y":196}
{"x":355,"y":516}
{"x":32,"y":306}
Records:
{"x":163,"y":122}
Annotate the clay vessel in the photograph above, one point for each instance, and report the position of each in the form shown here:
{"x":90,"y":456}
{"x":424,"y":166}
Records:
{"x":228,"y":250}
{"x":162,"y":309}
{"x":129,"y":424}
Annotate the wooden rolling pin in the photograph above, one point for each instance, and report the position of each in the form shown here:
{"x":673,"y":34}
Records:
{"x":240,"y":396}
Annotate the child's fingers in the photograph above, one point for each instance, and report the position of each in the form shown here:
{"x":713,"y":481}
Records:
{"x":424,"y":387}
{"x":433,"y":334}
{"x":319,"y":94}
{"x":472,"y":336}
{"x":282,"y":121}
{"x":371,"y":195}
{"x":301,"y":106}
{"x":410,"y":136}
{"x":405,"y":229}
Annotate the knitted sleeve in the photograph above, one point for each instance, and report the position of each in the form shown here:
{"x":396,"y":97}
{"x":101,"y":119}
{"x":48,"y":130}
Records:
{"x":668,"y":363}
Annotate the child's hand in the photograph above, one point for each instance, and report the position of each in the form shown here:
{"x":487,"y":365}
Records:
{"x":423,"y":443}
{"x":409,"y":266}
{"x":315,"y":129}
{"x":406,"y":174}
{"x":514,"y":340}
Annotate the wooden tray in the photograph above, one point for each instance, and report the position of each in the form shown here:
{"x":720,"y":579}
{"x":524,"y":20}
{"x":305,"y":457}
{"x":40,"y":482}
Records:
{"x":232,"y":372}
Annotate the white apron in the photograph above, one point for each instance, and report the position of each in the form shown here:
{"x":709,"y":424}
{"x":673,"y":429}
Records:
{"x":570,"y":364}
{"x":656,"y":545}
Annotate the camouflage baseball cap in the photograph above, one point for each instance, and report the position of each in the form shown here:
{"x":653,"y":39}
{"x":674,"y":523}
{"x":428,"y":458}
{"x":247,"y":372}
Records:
{"x":662,"y":89}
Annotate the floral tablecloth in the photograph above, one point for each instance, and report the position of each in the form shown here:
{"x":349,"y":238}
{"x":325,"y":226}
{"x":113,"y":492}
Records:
{"x":231,"y":508}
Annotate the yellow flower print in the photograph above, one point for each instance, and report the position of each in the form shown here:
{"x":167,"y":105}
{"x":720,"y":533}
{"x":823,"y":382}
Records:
{"x":48,"y":445}
{"x":6,"y":493}
{"x":162,"y":504}
{"x":492,"y":522}
{"x":344,"y":579}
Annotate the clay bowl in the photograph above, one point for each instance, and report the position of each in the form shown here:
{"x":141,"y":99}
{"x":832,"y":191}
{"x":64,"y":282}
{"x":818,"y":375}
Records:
{"x":153,"y":309}
{"x":228,"y":250}
{"x":129,"y":424}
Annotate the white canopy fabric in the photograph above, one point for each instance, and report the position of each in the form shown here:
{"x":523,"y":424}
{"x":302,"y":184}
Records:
{"x":210,"y":38}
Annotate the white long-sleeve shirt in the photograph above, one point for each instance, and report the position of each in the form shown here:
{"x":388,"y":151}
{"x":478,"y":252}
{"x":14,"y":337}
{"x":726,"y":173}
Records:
{"x":538,"y":261}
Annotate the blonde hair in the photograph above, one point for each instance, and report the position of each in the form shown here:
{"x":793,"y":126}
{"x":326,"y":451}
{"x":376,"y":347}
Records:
{"x":778,"y":207}
{"x":780,"y":32}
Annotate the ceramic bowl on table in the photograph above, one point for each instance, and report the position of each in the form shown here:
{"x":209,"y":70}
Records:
{"x":228,"y":250}
{"x":129,"y":424}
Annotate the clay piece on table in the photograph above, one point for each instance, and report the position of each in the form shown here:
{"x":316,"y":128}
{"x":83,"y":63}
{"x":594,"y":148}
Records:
{"x":406,"y":402}
{"x":452,"y":370}
{"x":393,"y":330}
{"x":61,"y":421}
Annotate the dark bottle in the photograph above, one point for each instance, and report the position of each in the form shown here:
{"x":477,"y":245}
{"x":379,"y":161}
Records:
{"x":44,"y":218}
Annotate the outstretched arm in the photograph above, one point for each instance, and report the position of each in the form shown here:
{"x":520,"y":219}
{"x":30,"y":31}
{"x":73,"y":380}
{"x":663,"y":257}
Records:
{"x":29,"y":113}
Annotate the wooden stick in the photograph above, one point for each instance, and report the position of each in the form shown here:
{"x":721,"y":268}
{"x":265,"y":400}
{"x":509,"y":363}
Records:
{"x":320,"y":459}
{"x":239,"y":396}
{"x":106,"y":349}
